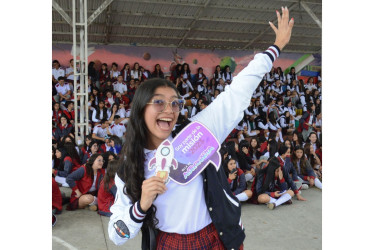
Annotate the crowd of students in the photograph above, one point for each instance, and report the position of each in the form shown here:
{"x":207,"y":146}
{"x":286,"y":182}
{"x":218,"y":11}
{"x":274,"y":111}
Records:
{"x":272,"y":154}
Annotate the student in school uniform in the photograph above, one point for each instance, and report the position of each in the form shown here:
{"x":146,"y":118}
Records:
{"x":274,"y":126}
{"x":93,"y":148}
{"x":120,"y":86}
{"x":288,"y":168}
{"x":104,"y":74}
{"x":101,"y":130}
{"x":279,"y":75}
{"x":314,"y":159}
{"x":217,"y":223}
{"x":297,"y":139}
{"x":307,"y":121}
{"x":63,"y":90}
{"x":84,"y":183}
{"x":85,"y":147}
{"x":310,"y":84}
{"x":63,"y":128}
{"x":270,"y":186}
{"x":277,"y":87}
{"x":157,"y":73}
{"x":217,"y":73}
{"x":114,"y":72}
{"x":304,"y":169}
{"x":291,"y":76}
{"x":270,"y":78}
{"x":69,"y":161}
{"x":226,"y":74}
{"x":100,"y":113}
{"x":126,"y":72}
{"x":57,"y":71}
{"x":69,"y":112}
{"x":107,"y":190}
{"x":200,"y":76}
{"x":136,"y":73}
{"x":56,"y":113}
{"x":287,"y":123}
{"x":236,"y":179}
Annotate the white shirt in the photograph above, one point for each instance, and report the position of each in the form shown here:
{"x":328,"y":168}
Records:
{"x":136,"y":74}
{"x":58,"y":72}
{"x":118,"y":129}
{"x":100,"y":116}
{"x":62,"y":89}
{"x":120,"y":87}
{"x":190,"y":198}
{"x":115,"y":73}
{"x":71,"y":77}
{"x":100,"y":132}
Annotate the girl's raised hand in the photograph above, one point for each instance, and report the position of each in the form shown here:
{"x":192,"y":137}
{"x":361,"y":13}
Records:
{"x":284,"y":30}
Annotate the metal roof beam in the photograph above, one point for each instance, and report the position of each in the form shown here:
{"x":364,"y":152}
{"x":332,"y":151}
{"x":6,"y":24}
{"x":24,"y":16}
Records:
{"x":58,"y":8}
{"x":188,"y":47}
{"x":311,"y":14}
{"x":319,"y":2}
{"x":186,"y":28}
{"x":98,"y":11}
{"x":202,"y":5}
{"x":226,"y":20}
{"x":196,"y":17}
{"x":189,"y":38}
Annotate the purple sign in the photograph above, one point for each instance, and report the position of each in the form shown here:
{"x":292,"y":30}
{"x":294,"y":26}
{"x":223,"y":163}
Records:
{"x":194,"y":148}
{"x":187,"y":155}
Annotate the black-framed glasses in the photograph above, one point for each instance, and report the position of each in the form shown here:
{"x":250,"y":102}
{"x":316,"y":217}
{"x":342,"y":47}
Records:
{"x":160,"y":105}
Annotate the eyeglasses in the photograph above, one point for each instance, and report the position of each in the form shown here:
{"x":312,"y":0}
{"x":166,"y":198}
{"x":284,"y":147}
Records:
{"x":160,"y":105}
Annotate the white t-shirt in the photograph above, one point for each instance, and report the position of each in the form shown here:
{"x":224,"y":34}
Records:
{"x":100,"y":132}
{"x":120,"y":87}
{"x":62,"y":89}
{"x":118,"y":129}
{"x":58,"y":72}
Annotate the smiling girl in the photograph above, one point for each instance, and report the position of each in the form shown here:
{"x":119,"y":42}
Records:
{"x":211,"y":213}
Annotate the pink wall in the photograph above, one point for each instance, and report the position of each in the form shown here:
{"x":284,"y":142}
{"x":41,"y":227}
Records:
{"x":168,"y":57}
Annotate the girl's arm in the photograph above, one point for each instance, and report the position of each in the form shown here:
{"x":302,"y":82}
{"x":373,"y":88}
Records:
{"x":127,"y":218}
{"x":68,"y":165}
{"x":73,"y":177}
{"x":242,"y":185}
{"x":236,"y":98}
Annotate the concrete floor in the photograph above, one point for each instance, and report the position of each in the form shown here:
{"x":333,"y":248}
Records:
{"x":296,"y":226}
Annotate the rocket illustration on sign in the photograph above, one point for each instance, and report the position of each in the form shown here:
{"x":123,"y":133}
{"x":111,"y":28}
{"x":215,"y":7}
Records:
{"x":163,"y":160}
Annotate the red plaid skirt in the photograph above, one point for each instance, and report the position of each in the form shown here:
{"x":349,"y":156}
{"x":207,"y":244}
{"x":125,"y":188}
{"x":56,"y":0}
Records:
{"x":206,"y":238}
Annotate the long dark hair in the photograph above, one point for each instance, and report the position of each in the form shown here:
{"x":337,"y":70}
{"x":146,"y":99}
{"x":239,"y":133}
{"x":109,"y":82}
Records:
{"x":303,"y":160}
{"x":269,"y":171}
{"x":273,"y":147}
{"x":60,"y":166}
{"x":132,"y":158}
{"x":89,"y":164}
{"x":227,"y":171}
{"x":110,"y":173}
{"x":72,"y":151}
{"x":105,"y":114}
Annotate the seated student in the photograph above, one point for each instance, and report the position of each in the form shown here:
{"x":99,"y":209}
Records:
{"x":56,"y":113}
{"x":100,"y":113}
{"x":313,"y":140}
{"x":84,"y":183}
{"x":93,"y":148}
{"x":307,"y":121}
{"x":297,"y":139}
{"x":107,"y":190}
{"x":69,"y":161}
{"x":236,"y":179}
{"x":313,"y":158}
{"x":287,"y":123}
{"x":270,"y":185}
{"x":85,"y":147}
{"x":111,"y":145}
{"x":63,"y":128}
{"x":245,"y":157}
{"x":118,"y":127}
{"x":101,"y":130}
{"x":63,"y":90}
{"x":289,"y":171}
{"x":274,"y":126}
{"x":56,"y":198}
{"x":69,"y":112}
{"x":108,"y":157}
{"x":304,"y":169}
